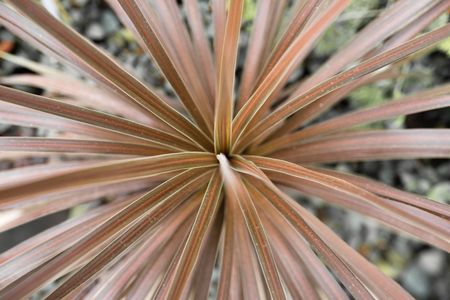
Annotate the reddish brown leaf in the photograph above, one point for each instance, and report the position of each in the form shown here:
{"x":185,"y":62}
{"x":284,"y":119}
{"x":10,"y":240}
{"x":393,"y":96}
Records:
{"x":346,"y":77}
{"x":372,"y":145}
{"x":176,"y":281}
{"x":237,"y":192}
{"x":225,"y":78}
{"x":56,"y":38}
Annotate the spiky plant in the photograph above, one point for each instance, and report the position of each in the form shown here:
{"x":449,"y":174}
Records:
{"x":199,"y":186}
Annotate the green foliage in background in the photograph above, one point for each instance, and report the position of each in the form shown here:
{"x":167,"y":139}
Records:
{"x":346,"y":26}
{"x":444,"y":46}
{"x":369,"y":95}
{"x":249,"y":10}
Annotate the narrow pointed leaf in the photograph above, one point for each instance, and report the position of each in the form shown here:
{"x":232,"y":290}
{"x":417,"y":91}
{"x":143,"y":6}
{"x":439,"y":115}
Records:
{"x":278,"y":75}
{"x":264,"y":22}
{"x":39,"y":249}
{"x":272,"y":193}
{"x":395,"y":17}
{"x":372,"y":145}
{"x":201,"y":44}
{"x":35,"y":144}
{"x":346,"y":77}
{"x":225,"y":78}
{"x":107,"y":232}
{"x":123,"y":170}
{"x":144,"y":24}
{"x":237,"y":192}
{"x":127,"y":239}
{"x":175,"y":282}
{"x":427,"y":100}
{"x":88,"y":116}
{"x":65,"y":43}
{"x":437,"y":208}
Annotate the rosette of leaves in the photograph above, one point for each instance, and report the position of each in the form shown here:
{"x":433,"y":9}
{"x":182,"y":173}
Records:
{"x":197,"y":183}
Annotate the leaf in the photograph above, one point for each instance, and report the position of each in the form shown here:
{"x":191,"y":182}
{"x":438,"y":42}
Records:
{"x":301,"y":15}
{"x":324,"y":103}
{"x":393,"y":18}
{"x":25,"y":117}
{"x":229,"y":286}
{"x":39,"y":249}
{"x":201,"y":44}
{"x":267,"y":17}
{"x":401,"y":13}
{"x":151,"y":273}
{"x":83,"y":94}
{"x":89,"y":116}
{"x":238,"y":193}
{"x":427,"y":100}
{"x":434,"y":225}
{"x":439,"y":209}
{"x":253,"y":285}
{"x":129,"y":219}
{"x":208,"y":258}
{"x":144,"y":25}
{"x":282,"y":69}
{"x":422,"y":22}
{"x":128,"y":238}
{"x":372,"y":145}
{"x":301,"y":263}
{"x":422,"y":225}
{"x":368,"y":273}
{"x":175,"y":282}
{"x":225,"y":78}
{"x":63,"y":83}
{"x":176,"y":37}
{"x":66,"y":44}
{"x":35,"y":144}
{"x":34,"y":208}
{"x":29,"y":64}
{"x":109,"y":172}
{"x":271,"y":192}
{"x":145,"y":251}
{"x":346,"y":77}
{"x":219,"y":12}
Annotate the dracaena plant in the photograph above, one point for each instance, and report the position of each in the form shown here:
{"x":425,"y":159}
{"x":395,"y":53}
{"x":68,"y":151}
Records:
{"x":199,"y":185}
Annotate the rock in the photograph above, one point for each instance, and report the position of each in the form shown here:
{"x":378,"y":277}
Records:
{"x":77,"y":17}
{"x":409,"y":181}
{"x":6,"y":67}
{"x":441,"y":286}
{"x":416,"y":281}
{"x":95,"y":32}
{"x":440,"y":192}
{"x":109,"y":23}
{"x":444,"y":170}
{"x":6,"y":36}
{"x":80,"y":2}
{"x":387,"y":173}
{"x":4,"y":127}
{"x":423,"y":185}
{"x":431,"y":261}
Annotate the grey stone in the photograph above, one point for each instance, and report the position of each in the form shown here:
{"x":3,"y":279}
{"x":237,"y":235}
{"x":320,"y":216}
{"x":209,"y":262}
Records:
{"x":109,"y":23}
{"x":444,"y":170}
{"x":95,"y":32}
{"x":4,"y":127}
{"x":440,"y":192}
{"x":416,"y":281}
{"x":431,"y":261}
{"x":6,"y":35}
{"x":80,"y":2}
